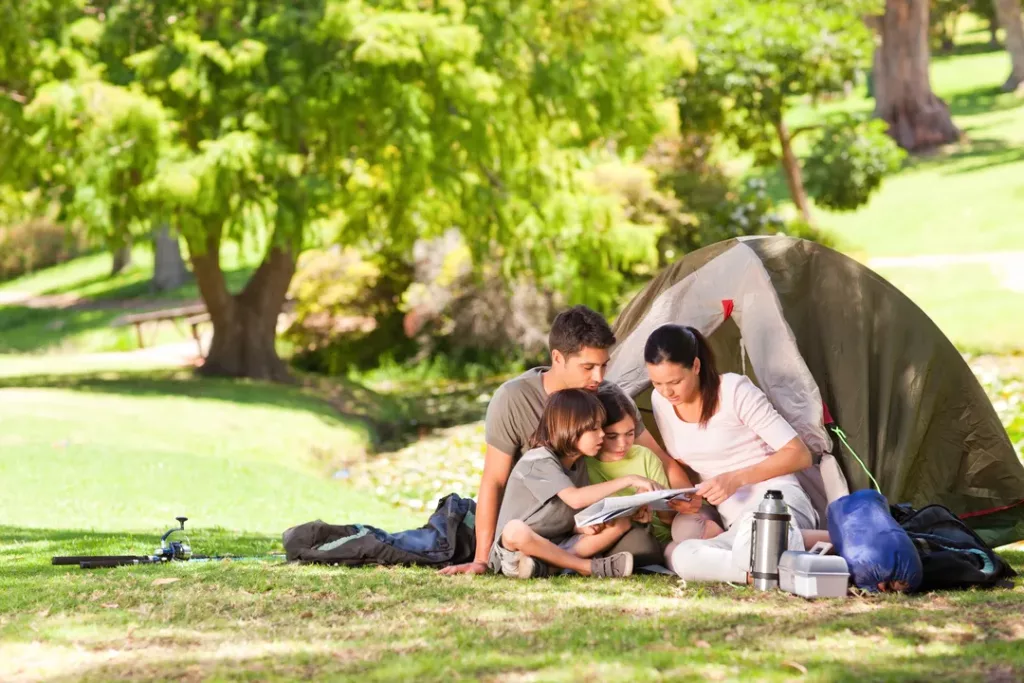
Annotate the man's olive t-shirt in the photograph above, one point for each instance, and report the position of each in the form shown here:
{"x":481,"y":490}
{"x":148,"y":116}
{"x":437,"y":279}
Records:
{"x":516,"y":407}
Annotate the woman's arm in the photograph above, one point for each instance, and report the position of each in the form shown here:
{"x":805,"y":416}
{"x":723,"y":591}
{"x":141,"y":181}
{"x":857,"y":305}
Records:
{"x":791,"y":458}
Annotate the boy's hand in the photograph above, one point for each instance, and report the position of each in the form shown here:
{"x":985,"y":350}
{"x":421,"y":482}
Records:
{"x":687,"y":507}
{"x":643,"y":515}
{"x":590,"y":530}
{"x":643,"y":484}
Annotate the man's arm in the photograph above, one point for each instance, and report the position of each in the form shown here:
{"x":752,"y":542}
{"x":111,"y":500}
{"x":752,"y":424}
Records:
{"x":497,"y":468}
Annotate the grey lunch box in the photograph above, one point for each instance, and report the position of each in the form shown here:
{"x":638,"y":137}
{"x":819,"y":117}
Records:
{"x":812,"y":575}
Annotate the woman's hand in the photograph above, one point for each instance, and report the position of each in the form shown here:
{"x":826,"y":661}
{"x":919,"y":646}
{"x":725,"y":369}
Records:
{"x":687,"y":507}
{"x":642,"y":515}
{"x":591,"y":530}
{"x":643,"y":484}
{"x":718,"y":489}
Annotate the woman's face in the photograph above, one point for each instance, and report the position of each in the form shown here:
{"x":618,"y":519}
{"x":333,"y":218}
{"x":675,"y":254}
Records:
{"x":677,"y":383}
{"x":590,"y":442}
{"x":618,"y":437}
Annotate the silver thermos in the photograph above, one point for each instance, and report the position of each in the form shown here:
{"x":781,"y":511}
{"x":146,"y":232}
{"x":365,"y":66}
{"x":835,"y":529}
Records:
{"x":769,"y":541}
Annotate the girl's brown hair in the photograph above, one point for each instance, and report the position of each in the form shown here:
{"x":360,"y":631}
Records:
{"x":568,"y":415}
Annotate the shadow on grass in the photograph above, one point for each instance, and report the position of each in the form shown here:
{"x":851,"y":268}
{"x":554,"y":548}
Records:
{"x":27,"y":330}
{"x":966,"y":49}
{"x":394,"y":419}
{"x":972,"y":155}
{"x":984,"y":100}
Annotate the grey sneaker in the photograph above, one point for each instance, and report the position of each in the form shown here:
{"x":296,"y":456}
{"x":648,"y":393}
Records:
{"x":529,"y":568}
{"x":613,"y":566}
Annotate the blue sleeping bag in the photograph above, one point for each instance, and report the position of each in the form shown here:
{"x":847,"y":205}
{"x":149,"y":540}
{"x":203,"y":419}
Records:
{"x":876,"y":548}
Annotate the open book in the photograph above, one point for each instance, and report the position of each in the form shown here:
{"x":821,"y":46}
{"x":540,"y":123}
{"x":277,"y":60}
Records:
{"x":623,"y":506}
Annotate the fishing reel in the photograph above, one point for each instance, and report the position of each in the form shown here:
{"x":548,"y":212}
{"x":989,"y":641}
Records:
{"x":174,"y":550}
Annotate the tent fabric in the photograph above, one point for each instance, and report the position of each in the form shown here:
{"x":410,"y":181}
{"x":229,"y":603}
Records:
{"x":811,"y":326}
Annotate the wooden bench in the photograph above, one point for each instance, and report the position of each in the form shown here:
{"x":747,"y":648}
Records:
{"x":192,"y":315}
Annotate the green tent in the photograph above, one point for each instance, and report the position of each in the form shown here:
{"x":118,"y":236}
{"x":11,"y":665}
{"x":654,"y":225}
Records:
{"x":829,"y":340}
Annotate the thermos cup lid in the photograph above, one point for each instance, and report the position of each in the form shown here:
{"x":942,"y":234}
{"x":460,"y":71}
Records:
{"x":773,"y":495}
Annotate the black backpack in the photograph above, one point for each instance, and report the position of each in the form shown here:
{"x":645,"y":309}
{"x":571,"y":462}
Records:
{"x":952,"y":555}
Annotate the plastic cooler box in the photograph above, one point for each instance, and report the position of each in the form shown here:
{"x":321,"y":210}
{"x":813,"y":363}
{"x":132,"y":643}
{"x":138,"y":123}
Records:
{"x":812,"y":574}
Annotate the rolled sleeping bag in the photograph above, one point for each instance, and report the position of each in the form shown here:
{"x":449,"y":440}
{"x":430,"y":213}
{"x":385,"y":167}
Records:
{"x":876,"y":548}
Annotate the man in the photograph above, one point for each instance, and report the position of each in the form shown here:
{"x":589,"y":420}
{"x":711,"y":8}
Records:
{"x":579,"y":343}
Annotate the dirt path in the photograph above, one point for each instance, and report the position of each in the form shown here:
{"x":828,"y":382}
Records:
{"x":1007,"y":266}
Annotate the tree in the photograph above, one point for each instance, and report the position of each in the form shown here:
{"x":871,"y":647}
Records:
{"x":755,"y":59}
{"x":376,"y":123}
{"x":917,"y":118}
{"x":1009,"y":14}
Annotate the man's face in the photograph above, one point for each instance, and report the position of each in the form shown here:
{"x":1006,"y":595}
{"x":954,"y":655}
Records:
{"x":584,"y":370}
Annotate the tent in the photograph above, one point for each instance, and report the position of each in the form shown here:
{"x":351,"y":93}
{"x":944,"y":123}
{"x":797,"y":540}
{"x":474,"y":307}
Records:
{"x":829,"y":340}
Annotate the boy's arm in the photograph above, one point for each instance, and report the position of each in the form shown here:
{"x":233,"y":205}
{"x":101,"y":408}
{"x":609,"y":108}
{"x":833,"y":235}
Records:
{"x":580,"y":497}
{"x":673,"y":470}
{"x":497,"y":467}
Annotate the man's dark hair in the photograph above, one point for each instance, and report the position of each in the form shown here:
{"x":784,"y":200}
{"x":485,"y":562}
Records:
{"x":578,"y":327}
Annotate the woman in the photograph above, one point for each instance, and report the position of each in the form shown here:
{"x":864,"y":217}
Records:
{"x":725,"y":429}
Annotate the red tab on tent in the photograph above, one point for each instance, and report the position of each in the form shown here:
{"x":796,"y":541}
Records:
{"x":826,"y":414}
{"x":727,"y":307}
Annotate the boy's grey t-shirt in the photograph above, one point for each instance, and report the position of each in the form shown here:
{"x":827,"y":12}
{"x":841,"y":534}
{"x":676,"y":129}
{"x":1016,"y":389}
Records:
{"x":531,"y":495}
{"x":515,"y":409}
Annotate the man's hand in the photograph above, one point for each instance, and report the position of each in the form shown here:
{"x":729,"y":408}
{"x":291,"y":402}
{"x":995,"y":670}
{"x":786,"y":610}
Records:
{"x":468,"y":568}
{"x":687,"y":507}
{"x":643,"y":515}
{"x":643,"y":484}
{"x":718,"y":489}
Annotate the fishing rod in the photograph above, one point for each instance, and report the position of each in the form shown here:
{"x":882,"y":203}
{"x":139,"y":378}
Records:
{"x":169,"y":551}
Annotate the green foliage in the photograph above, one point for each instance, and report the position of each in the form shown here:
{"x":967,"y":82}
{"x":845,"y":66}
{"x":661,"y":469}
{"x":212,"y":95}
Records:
{"x":847,"y":163}
{"x":370,"y":123}
{"x":756,"y":56}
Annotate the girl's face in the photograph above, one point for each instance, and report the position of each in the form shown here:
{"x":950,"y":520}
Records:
{"x":677,"y":383}
{"x":590,"y":442}
{"x":618,"y":437}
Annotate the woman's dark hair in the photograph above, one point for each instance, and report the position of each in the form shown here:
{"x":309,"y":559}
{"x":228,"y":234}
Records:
{"x":617,"y":406}
{"x":682,"y":345}
{"x":568,"y":414}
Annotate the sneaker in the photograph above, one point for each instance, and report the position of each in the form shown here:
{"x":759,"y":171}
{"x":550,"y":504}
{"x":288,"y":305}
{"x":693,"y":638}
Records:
{"x":613,"y":566}
{"x":529,"y":568}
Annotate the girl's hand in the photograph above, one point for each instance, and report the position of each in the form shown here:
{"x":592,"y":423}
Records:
{"x":687,"y":507}
{"x":718,"y":489}
{"x":643,"y":484}
{"x":643,"y":515}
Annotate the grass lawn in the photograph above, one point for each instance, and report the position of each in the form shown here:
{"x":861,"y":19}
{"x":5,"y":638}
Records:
{"x":101,"y":463}
{"x":86,"y":326}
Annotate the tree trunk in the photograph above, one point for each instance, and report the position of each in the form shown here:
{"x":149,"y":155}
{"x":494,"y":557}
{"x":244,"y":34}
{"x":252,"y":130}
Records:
{"x":791,"y":169}
{"x":244,"y":324}
{"x":169,"y":271}
{"x":1010,"y":18}
{"x":918,"y":120}
{"x":122,"y":258}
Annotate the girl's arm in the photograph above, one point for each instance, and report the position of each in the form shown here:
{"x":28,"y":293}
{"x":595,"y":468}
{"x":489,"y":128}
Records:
{"x":580,"y":497}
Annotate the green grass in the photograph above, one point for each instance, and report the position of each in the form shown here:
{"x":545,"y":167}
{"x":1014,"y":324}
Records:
{"x":131,"y":451}
{"x":69,"y":327}
{"x":970,"y":303}
{"x":100,"y":463}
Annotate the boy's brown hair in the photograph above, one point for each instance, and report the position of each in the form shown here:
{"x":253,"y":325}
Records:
{"x":568,"y":414}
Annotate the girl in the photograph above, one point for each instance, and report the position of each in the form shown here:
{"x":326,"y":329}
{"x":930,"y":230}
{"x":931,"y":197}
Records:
{"x":549,"y":485}
{"x":725,"y":429}
{"x":619,"y":457}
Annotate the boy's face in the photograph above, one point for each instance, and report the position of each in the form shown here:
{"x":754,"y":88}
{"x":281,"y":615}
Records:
{"x":618,"y":437}
{"x":583,"y":370}
{"x":590,"y":442}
